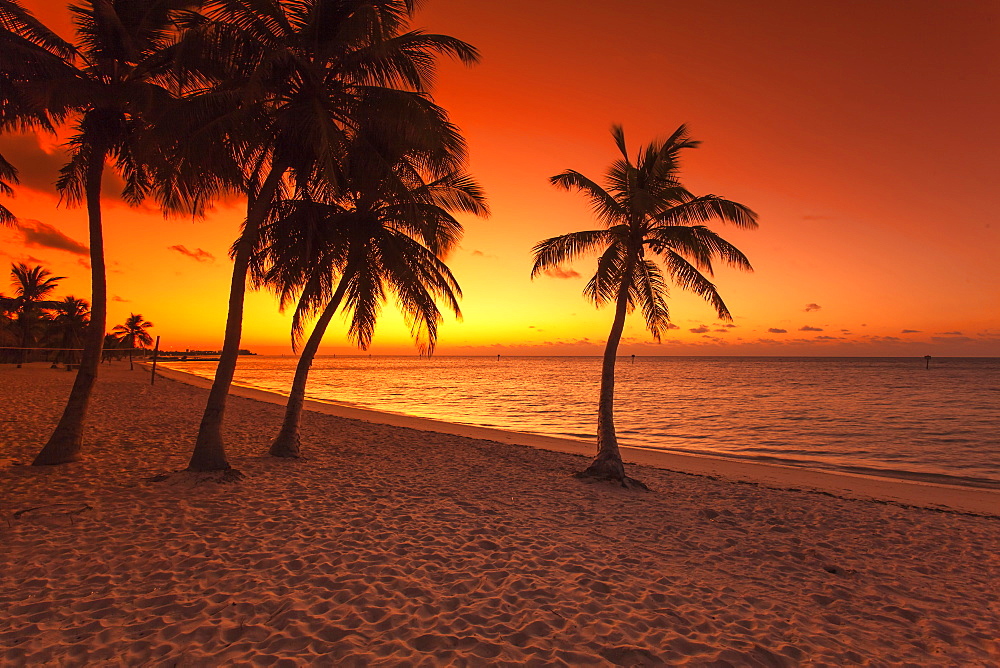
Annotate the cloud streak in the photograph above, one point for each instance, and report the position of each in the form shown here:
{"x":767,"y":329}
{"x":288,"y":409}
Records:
{"x":197,"y":254}
{"x":559,"y":272}
{"x":42,"y":235}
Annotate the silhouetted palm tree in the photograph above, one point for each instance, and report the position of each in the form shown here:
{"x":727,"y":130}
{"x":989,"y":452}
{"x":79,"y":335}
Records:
{"x":386,"y":233}
{"x":133,"y":334}
{"x":32,"y":286}
{"x":293,"y":80}
{"x":68,"y":326}
{"x":113,"y":85}
{"x":652,"y":234}
{"x":8,"y":175}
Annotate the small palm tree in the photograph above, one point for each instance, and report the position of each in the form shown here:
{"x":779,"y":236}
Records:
{"x":68,"y":326}
{"x":133,"y":335}
{"x":652,"y":232}
{"x":32,"y":286}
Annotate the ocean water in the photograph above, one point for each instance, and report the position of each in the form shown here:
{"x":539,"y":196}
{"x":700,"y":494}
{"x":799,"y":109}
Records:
{"x":878,"y":416}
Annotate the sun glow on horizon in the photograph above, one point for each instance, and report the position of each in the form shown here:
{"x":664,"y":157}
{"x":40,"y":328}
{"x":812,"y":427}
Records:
{"x":850,"y":224}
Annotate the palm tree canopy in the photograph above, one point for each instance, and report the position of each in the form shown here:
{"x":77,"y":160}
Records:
{"x":113,"y":85}
{"x":382,"y":236}
{"x":286,"y":84}
{"x":653,"y":232}
{"x":33,"y":284}
{"x":133,"y":333}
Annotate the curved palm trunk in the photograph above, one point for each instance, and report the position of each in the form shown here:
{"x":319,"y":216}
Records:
{"x":67,"y":439}
{"x":287,"y":442}
{"x":209,"y":450}
{"x":608,"y":463}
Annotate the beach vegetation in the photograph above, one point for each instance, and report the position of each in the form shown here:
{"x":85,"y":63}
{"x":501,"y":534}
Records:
{"x":32,"y":288}
{"x":134,"y":333}
{"x":290,"y":85}
{"x":386,"y":230}
{"x":70,"y":320}
{"x":110,"y":87}
{"x":8,"y":177}
{"x":653,"y":235}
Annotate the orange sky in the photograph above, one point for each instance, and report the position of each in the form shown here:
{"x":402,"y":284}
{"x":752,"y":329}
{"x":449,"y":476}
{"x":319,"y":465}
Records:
{"x":864,"y":134}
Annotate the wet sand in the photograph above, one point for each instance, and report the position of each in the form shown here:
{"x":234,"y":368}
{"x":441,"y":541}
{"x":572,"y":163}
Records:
{"x":390,"y":545}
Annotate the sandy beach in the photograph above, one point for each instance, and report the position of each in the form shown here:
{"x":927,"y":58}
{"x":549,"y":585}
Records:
{"x":390,"y":545}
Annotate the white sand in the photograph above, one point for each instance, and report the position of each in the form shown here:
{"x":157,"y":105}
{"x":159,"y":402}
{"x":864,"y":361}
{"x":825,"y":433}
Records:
{"x":393,"y":546}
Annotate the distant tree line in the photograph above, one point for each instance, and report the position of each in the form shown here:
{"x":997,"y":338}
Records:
{"x":34,"y":327}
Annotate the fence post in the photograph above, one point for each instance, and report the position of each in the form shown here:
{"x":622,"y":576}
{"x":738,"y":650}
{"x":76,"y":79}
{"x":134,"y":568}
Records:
{"x":156,"y":351}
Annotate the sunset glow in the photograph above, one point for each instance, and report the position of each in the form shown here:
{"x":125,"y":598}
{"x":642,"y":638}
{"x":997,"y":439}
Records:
{"x":864,"y":136}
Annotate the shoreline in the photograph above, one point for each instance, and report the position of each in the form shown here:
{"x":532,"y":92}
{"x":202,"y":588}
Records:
{"x":917,"y":493}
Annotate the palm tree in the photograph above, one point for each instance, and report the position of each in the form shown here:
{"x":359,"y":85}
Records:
{"x":133,"y":334}
{"x":8,"y":175}
{"x":32,"y":286}
{"x":69,"y":325}
{"x":387,"y":232}
{"x":114,"y":84}
{"x":652,"y":232}
{"x":292,"y":82}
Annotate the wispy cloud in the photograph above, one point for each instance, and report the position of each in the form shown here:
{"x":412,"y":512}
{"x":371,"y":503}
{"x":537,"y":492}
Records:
{"x":812,"y":307}
{"x":950,"y":333}
{"x":196,"y":254}
{"x":910,"y":331}
{"x":775,"y":330}
{"x":479,"y":253}
{"x":699,"y":330}
{"x":42,"y":235}
{"x":559,"y":272}
{"x":807,"y":328}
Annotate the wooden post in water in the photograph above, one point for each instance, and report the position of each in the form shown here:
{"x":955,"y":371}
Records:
{"x":927,"y":361}
{"x":156,"y":351}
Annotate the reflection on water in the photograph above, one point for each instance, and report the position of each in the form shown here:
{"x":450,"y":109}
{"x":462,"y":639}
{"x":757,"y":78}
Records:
{"x":888,"y":415}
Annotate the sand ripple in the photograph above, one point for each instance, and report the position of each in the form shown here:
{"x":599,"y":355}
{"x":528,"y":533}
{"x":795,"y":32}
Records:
{"x":390,"y":546}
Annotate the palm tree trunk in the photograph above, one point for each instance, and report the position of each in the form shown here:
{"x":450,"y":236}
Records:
{"x":287,"y":442}
{"x":66,"y":441}
{"x":608,"y":463}
{"x":25,"y":337}
{"x":209,"y":450}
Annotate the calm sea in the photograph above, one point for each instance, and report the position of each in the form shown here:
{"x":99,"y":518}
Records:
{"x":880,"y":416}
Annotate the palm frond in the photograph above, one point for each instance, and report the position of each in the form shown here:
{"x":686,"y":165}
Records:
{"x":605,"y":206}
{"x":706,"y":208}
{"x":687,"y":277}
{"x":554,"y":251}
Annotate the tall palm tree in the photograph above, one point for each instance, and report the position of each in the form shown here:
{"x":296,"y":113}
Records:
{"x":387,"y":232}
{"x":69,"y":325}
{"x":114,"y":84}
{"x":652,"y":234}
{"x":32,"y":286}
{"x":133,"y":334}
{"x":291,"y":83}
